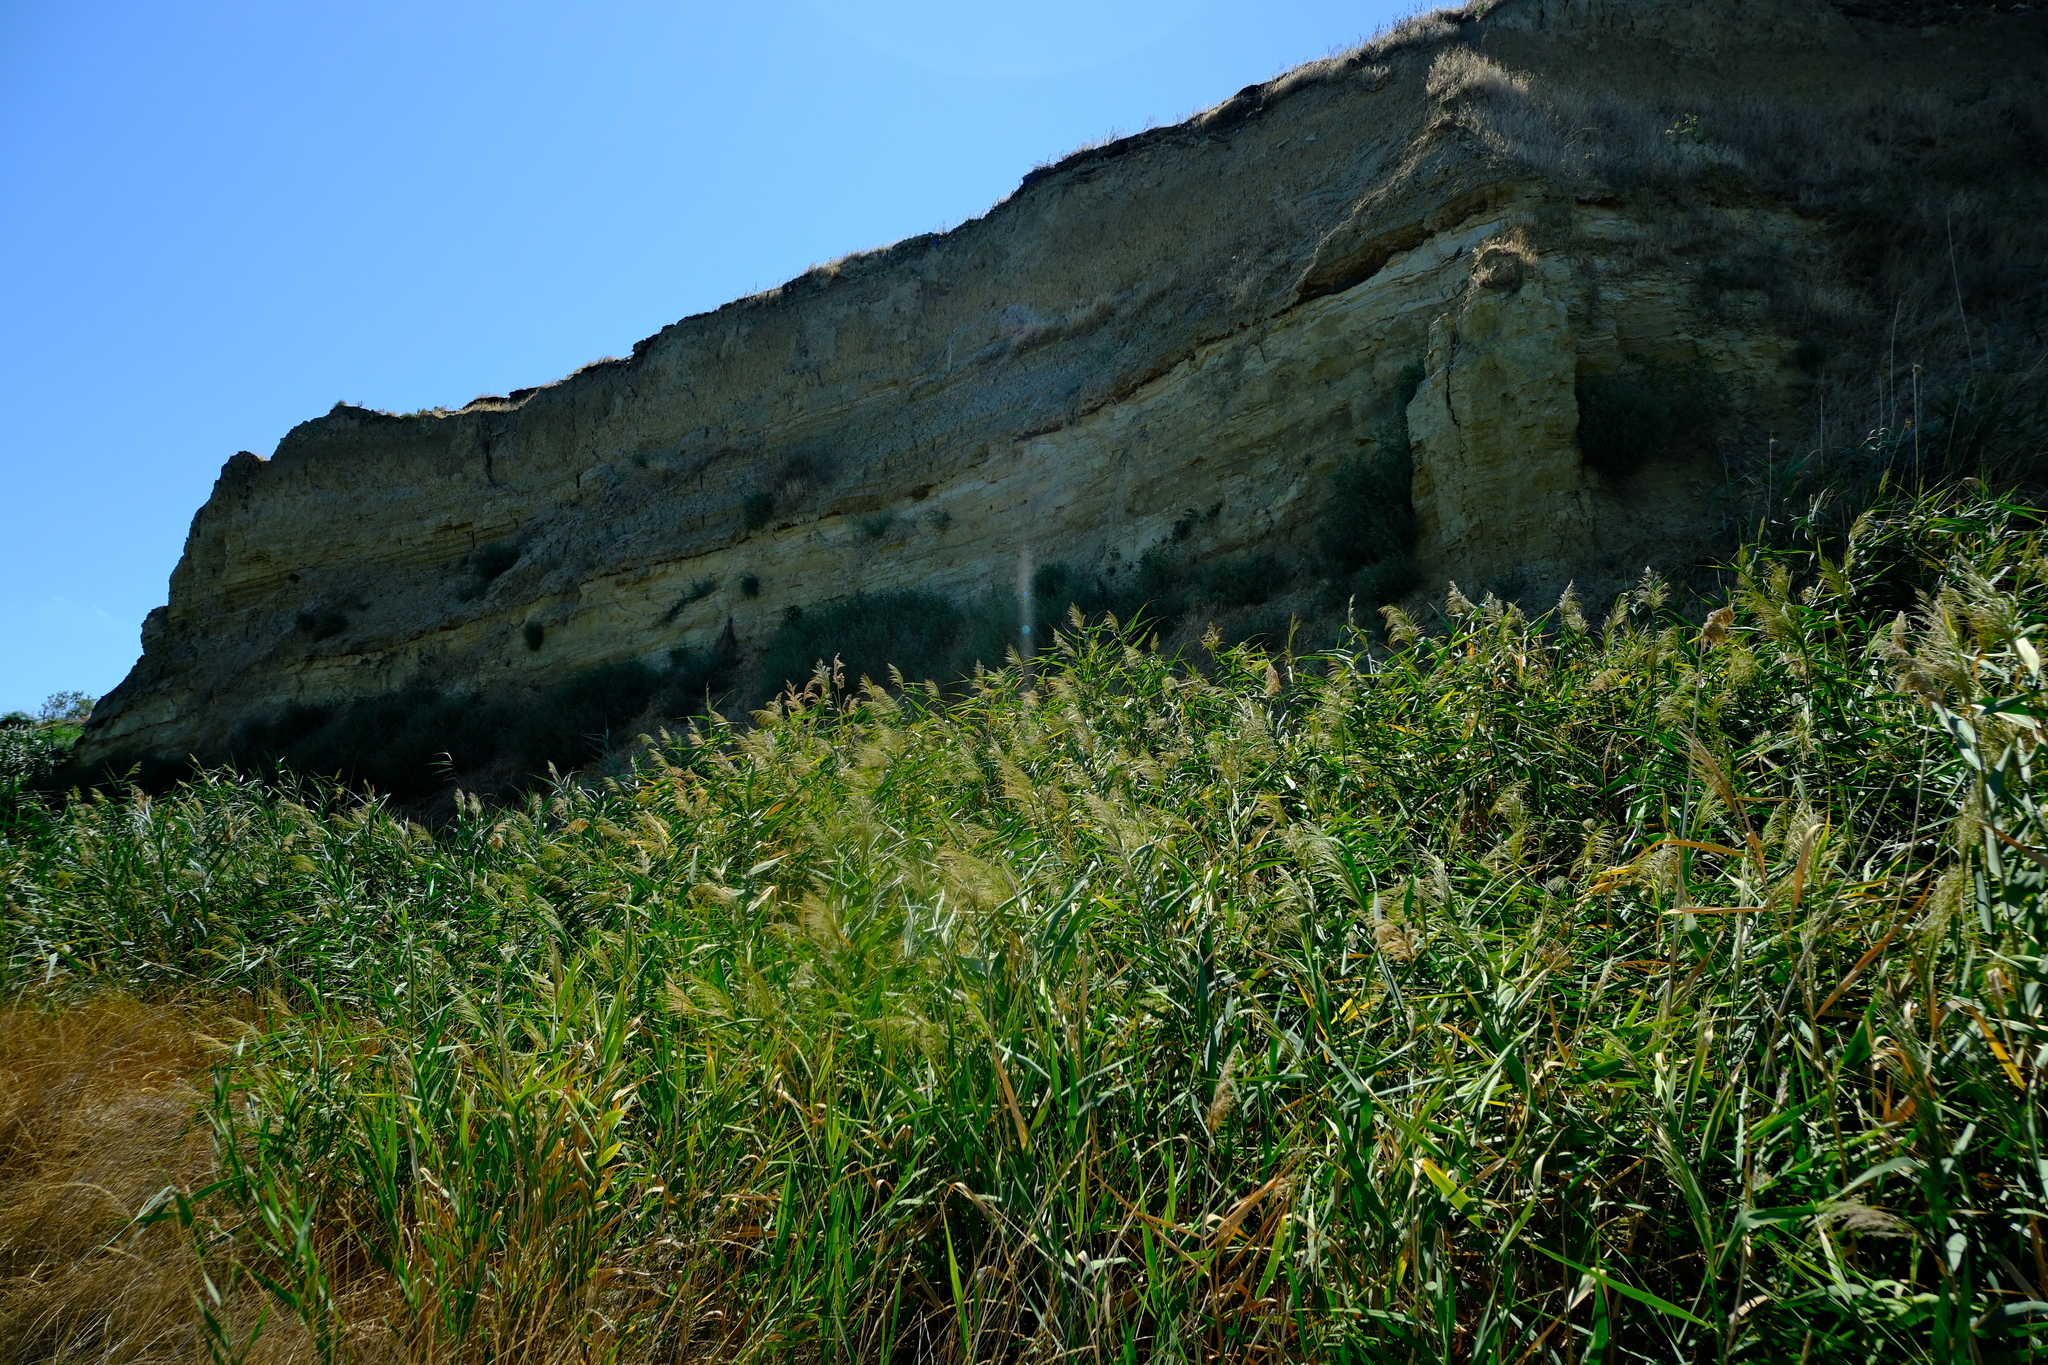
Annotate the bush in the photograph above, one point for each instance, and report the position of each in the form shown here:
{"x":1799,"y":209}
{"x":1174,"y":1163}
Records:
{"x":1156,"y":587}
{"x":1370,"y":515}
{"x":1387,"y":580}
{"x":995,"y":622}
{"x":30,"y":754}
{"x":1185,"y":525}
{"x":994,"y":628}
{"x":915,"y":631}
{"x":1241,"y":580}
{"x":755,"y":509}
{"x":695,"y":678}
{"x":1626,"y":419}
{"x":411,"y":743}
{"x":61,"y":708}
{"x":535,"y":634}
{"x":488,"y":562}
{"x":403,"y":743}
{"x":801,"y":474}
{"x":1993,"y":428}
{"x":573,"y":722}
{"x":750,"y":585}
{"x":1057,"y":587}
{"x":1810,"y":356}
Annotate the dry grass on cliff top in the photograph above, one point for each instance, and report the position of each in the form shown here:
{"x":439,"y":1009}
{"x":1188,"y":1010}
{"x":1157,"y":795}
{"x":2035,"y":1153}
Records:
{"x":1533,"y":991}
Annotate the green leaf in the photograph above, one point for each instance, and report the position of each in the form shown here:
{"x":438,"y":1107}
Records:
{"x":1642,"y":1296}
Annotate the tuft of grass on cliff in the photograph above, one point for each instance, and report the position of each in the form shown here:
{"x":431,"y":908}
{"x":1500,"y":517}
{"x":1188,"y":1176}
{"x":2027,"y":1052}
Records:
{"x":1535,"y":990}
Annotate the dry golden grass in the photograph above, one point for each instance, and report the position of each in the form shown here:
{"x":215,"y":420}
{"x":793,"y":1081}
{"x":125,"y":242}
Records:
{"x":96,"y":1116}
{"x":99,"y":1114}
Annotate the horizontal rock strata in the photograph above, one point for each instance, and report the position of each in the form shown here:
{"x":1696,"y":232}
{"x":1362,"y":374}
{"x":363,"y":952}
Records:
{"x":1209,"y":318}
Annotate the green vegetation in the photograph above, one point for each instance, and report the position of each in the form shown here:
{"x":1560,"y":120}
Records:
{"x":917,"y":633}
{"x":34,"y":747}
{"x":409,"y":745}
{"x":534,"y":633}
{"x":1166,"y":583}
{"x":1539,"y":991}
{"x":922,"y":636}
{"x":1058,"y":588}
{"x":1240,"y":580}
{"x":756,"y":509}
{"x":750,"y":585}
{"x":1810,"y":356}
{"x":63,"y":709}
{"x":1173,"y":578}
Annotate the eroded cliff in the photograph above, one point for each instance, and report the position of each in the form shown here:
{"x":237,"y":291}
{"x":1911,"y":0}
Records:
{"x":1512,"y":297}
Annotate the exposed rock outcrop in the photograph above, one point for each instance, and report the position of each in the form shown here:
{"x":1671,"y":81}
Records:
{"x":1499,"y":482}
{"x":1177,"y":341}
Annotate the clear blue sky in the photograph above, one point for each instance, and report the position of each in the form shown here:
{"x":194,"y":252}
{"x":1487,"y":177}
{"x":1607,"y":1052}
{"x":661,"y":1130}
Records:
{"x":218,"y":218}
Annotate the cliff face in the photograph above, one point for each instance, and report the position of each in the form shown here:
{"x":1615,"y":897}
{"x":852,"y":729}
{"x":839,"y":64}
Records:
{"x":1401,"y":258}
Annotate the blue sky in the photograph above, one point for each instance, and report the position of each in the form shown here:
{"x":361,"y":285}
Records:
{"x":218,"y":219}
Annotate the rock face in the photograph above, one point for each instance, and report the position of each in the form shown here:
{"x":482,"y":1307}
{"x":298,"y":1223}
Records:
{"x":1498,"y":480}
{"x":1168,"y":348}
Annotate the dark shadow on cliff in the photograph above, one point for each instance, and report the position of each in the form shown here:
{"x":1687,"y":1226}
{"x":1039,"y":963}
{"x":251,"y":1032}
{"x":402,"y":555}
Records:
{"x":413,"y":745}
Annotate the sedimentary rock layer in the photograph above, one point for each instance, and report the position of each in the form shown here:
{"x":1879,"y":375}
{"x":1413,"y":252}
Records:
{"x":1210,"y":317}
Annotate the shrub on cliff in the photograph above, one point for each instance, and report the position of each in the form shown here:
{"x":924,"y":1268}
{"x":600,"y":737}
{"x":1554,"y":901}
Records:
{"x":494,"y":560}
{"x":578,"y":720}
{"x":1240,"y":580}
{"x":403,"y":743}
{"x":411,"y":744}
{"x":1057,"y":589}
{"x":917,"y":632}
{"x":321,"y":625}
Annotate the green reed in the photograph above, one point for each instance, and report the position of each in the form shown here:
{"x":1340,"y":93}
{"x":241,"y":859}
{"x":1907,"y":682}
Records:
{"x":1523,"y":991}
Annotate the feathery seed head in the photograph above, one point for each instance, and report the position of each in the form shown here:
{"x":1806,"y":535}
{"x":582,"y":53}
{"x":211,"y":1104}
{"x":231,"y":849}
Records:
{"x":1401,"y":627}
{"x":1569,"y":612}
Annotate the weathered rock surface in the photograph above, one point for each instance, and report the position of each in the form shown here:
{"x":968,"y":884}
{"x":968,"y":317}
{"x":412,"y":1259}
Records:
{"x":1213,"y":316}
{"x":1498,"y":480}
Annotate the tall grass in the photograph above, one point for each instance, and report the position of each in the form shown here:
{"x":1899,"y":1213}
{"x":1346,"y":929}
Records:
{"x":1525,"y":991}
